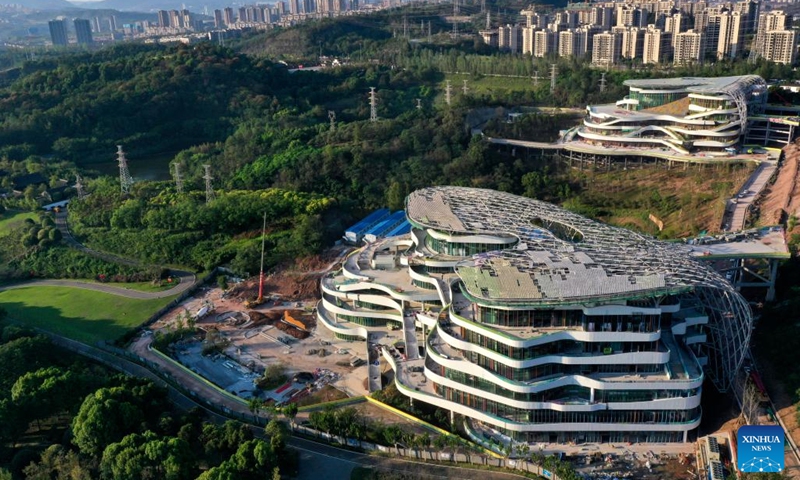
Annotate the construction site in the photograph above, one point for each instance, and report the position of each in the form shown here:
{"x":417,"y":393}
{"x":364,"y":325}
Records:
{"x":270,"y":348}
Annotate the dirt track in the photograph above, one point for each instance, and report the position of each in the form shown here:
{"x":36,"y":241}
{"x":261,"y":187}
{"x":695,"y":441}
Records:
{"x":783,"y":197}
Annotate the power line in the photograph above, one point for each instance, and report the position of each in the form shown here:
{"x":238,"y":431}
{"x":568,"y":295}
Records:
{"x":125,"y":179}
{"x":373,"y":105}
{"x":207,"y":177}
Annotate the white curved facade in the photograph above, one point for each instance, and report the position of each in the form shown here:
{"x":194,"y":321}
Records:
{"x":541,"y":323}
{"x":680,"y":114}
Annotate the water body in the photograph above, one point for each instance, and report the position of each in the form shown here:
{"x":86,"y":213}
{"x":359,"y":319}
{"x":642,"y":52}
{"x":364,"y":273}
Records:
{"x":155,"y":168}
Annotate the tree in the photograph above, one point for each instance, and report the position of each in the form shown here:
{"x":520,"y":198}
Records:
{"x":277,"y":433}
{"x":222,"y":281}
{"x":147,"y":456}
{"x":57,"y":463}
{"x":255,"y":405}
{"x":109,"y":414}
{"x":290,"y":411}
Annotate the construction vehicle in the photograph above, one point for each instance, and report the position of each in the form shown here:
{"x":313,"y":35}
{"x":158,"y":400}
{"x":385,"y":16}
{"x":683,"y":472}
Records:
{"x":260,"y":298}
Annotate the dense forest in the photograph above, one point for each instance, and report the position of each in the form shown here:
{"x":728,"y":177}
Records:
{"x":64,"y":418}
{"x":267,"y":134}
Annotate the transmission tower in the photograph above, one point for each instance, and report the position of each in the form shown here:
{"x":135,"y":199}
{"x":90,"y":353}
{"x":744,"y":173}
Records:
{"x":553,"y":75}
{"x":373,"y":105}
{"x":429,"y":31}
{"x":536,"y":78}
{"x":465,"y":88}
{"x":176,"y":175}
{"x":419,"y":104}
{"x":455,"y":18}
{"x":447,"y":91}
{"x":483,"y":6}
{"x":79,"y":187}
{"x":488,"y":20}
{"x":405,"y":26}
{"x":602,"y":82}
{"x":125,"y":179}
{"x":207,"y":177}
{"x":332,"y":118}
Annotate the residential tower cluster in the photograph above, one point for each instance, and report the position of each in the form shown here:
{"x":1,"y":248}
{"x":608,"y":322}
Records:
{"x":651,"y":32}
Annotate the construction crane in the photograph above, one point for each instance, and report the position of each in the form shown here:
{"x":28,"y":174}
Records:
{"x":260,"y":298}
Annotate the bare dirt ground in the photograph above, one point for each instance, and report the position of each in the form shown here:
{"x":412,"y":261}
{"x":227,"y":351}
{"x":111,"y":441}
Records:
{"x":782,"y":198}
{"x":785,"y":410}
{"x":294,"y":282}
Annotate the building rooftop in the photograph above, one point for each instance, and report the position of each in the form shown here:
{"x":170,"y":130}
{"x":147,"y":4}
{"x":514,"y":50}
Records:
{"x":561,"y":257}
{"x":696,"y":84}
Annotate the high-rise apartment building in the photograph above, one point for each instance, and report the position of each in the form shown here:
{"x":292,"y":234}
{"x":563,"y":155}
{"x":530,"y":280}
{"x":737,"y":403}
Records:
{"x":688,"y":48}
{"x":674,"y":25}
{"x":97,"y":26}
{"x":730,"y":34}
{"x":606,"y":48}
{"x":112,"y":23}
{"x":58,"y":32}
{"x":527,"y":39}
{"x":632,"y":43}
{"x":218,"y":20}
{"x":573,"y":43}
{"x":509,"y":37}
{"x":781,"y":46}
{"x":545,"y":42}
{"x":227,"y":15}
{"x":749,"y":11}
{"x":776,"y":20}
{"x":163,"y":18}
{"x":656,"y":45}
{"x":83,"y":31}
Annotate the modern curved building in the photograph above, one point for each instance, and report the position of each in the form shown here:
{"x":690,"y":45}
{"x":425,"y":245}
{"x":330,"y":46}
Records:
{"x":681,"y":114}
{"x":539,"y":323}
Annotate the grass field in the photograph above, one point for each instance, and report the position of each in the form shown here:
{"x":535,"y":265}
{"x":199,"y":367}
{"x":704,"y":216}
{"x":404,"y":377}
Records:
{"x":78,"y":313}
{"x":12,"y":219}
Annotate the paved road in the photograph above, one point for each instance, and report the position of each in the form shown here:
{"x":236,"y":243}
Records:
{"x":186,"y":277}
{"x":736,"y":213}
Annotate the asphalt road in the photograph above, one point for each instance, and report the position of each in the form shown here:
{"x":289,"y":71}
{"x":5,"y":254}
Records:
{"x":187,"y":279}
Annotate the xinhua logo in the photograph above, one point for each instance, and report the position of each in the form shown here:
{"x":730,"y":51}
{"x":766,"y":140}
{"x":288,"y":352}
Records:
{"x":760,"y":448}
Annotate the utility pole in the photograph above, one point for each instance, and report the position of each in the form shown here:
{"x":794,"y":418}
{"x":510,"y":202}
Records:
{"x":332,"y":118}
{"x":429,"y":31}
{"x":602,"y":82}
{"x":177,"y":176}
{"x":207,"y":177}
{"x":125,"y":179}
{"x":553,"y":74}
{"x":79,"y":187}
{"x":447,"y":90}
{"x":465,"y":88}
{"x":373,"y":105}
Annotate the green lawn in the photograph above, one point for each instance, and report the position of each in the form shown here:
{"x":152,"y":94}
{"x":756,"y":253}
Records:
{"x":13,"y":219}
{"x":83,"y":315}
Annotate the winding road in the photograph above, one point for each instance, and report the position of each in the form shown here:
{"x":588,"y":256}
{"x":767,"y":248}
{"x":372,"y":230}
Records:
{"x":187,"y":279}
